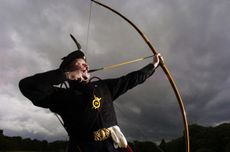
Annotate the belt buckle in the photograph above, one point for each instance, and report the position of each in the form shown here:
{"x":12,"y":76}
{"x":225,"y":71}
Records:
{"x":101,"y":134}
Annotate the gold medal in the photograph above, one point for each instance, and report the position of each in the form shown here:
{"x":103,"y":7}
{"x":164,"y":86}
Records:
{"x":96,"y":102}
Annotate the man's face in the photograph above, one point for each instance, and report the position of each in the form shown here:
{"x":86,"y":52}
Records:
{"x":81,"y":68}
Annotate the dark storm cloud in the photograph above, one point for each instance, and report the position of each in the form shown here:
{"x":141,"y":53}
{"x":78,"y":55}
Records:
{"x":192,"y":36}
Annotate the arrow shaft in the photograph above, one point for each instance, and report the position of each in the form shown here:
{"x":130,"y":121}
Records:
{"x":120,"y":64}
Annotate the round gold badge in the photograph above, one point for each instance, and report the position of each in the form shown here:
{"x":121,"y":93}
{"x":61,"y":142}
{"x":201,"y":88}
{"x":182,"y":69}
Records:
{"x":96,"y":102}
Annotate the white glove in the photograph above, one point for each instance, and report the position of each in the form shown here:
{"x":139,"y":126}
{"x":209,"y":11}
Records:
{"x":119,"y":140}
{"x":156,"y":60}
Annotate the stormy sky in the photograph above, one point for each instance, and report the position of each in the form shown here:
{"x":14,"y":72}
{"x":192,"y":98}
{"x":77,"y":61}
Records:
{"x":193,"y":37}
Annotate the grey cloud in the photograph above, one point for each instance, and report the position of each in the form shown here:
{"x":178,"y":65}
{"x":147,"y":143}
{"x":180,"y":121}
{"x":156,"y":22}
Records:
{"x":192,"y":36}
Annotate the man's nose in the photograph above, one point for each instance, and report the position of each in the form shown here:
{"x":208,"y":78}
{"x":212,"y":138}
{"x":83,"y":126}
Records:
{"x":86,"y":66}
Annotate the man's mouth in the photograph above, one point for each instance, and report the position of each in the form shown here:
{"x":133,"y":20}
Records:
{"x":85,"y":74}
{"x":84,"y":77}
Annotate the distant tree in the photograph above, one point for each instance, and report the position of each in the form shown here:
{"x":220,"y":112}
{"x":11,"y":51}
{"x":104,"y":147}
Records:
{"x":57,"y":145}
{"x":227,"y":148}
{"x":1,"y":132}
{"x":145,"y":147}
{"x":176,"y":145}
{"x":204,"y":150}
{"x":212,"y":138}
{"x":202,"y":139}
{"x":27,"y":144}
{"x":163,"y":145}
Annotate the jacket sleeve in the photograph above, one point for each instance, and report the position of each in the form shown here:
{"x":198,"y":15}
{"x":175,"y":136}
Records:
{"x":39,"y":88}
{"x":120,"y":85}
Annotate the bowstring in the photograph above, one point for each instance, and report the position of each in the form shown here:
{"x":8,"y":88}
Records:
{"x":126,"y":117}
{"x":87,"y":42}
{"x":65,"y":85}
{"x":86,"y":50}
{"x":88,"y":27}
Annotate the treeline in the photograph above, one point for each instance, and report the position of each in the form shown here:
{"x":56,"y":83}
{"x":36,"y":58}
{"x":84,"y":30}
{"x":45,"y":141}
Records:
{"x":202,"y":139}
{"x":17,"y":143}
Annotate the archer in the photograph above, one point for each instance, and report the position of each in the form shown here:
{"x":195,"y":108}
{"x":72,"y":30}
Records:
{"x":86,"y":106}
